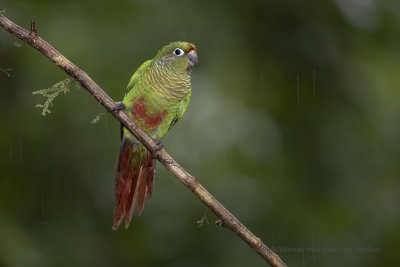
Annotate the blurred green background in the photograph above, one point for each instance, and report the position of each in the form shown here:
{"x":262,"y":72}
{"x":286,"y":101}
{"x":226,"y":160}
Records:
{"x":293,"y":125}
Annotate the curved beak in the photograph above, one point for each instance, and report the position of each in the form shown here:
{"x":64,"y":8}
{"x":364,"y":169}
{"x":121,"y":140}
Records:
{"x":193,"y":59}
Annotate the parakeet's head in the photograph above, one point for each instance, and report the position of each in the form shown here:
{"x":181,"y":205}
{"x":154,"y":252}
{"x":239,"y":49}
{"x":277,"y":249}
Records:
{"x":179,"y":56}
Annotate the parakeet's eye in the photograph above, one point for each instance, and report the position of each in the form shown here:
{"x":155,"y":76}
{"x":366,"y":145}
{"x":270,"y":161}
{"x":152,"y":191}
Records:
{"x":178,"y":52}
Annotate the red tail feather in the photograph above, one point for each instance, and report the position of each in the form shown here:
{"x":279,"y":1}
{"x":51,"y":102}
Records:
{"x":134,"y":178}
{"x":151,"y":167}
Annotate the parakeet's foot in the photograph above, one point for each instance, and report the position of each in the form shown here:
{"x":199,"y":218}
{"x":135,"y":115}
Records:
{"x":118,"y":107}
{"x":159,"y":146}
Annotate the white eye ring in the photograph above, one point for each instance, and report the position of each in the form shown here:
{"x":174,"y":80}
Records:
{"x":178,"y":52}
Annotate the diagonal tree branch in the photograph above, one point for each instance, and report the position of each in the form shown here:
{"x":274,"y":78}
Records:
{"x":227,"y":219}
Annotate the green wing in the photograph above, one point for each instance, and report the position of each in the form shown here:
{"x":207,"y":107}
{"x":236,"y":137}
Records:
{"x":138,"y":73}
{"x":181,"y":110}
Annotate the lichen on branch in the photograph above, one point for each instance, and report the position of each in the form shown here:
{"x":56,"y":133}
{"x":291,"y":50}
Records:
{"x":6,"y":72}
{"x":52,"y":92}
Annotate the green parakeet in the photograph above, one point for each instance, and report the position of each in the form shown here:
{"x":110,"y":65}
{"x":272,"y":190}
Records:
{"x":156,"y":98}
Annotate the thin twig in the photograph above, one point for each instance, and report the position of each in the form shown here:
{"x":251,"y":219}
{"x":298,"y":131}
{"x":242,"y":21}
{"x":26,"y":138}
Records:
{"x":203,"y":219}
{"x":228,"y":220}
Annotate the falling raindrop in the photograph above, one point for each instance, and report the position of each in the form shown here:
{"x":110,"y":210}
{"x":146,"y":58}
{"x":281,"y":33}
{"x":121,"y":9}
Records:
{"x":298,"y":90}
{"x":21,"y":158}
{"x":11,"y":151}
{"x":313,"y":82}
{"x":262,"y":88}
{"x":313,"y":247}
{"x":43,"y":205}
{"x":107,"y":129}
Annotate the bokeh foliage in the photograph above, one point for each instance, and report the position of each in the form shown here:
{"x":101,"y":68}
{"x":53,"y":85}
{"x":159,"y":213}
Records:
{"x":293,"y":125}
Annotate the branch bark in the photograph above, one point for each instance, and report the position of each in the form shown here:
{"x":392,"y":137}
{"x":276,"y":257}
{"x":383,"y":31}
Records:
{"x":227,"y":219}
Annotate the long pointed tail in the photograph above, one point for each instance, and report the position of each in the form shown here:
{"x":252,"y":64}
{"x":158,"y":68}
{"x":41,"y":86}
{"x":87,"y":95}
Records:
{"x":134,"y":178}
